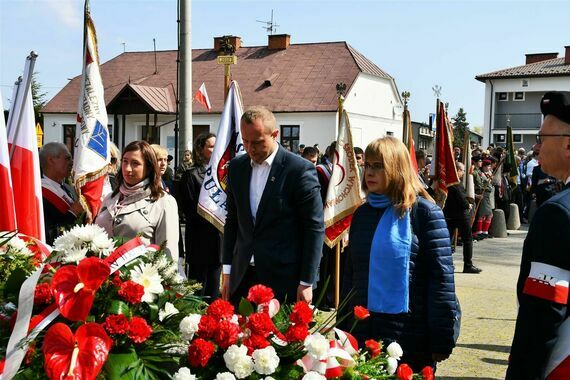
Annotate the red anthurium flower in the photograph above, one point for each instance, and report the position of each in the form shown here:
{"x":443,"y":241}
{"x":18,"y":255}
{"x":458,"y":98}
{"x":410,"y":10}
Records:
{"x":361,"y":313}
{"x":75,"y":356}
{"x":74,"y":287}
{"x":427,"y":373}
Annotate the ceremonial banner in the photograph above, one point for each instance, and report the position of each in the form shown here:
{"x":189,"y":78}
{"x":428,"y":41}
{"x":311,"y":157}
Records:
{"x":212,"y":200}
{"x":410,"y":139}
{"x":7,"y":209}
{"x":24,"y":158}
{"x":92,"y":137}
{"x":445,"y":171}
{"x":468,"y":182}
{"x":344,"y":193}
{"x":202,"y":97}
{"x":510,"y":157}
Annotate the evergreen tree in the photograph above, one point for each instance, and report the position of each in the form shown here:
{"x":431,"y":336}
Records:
{"x":38,"y":98}
{"x":459,"y":127}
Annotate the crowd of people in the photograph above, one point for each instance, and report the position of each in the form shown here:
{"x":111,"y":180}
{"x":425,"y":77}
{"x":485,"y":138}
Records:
{"x":398,"y":261}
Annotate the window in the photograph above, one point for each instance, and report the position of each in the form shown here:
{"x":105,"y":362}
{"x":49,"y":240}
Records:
{"x":524,"y":83}
{"x":110,"y":129}
{"x":503,"y":96}
{"x":198,"y":129}
{"x":69,"y":137}
{"x":499,"y":138}
{"x":517,"y":137}
{"x":150,"y":134}
{"x":423,"y":144}
{"x":388,"y":133}
{"x":290,"y":137}
{"x":518,"y":97}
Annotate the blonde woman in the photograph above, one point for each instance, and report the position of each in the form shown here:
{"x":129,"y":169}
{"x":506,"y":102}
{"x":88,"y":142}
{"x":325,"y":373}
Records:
{"x":399,"y":262}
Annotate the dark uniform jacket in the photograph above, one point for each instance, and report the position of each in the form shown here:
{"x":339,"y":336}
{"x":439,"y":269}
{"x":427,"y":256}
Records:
{"x":456,"y":205}
{"x":288,"y":234}
{"x":541,"y":344}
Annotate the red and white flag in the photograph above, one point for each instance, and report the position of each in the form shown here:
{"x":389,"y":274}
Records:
{"x":92,"y":136}
{"x":7,"y":211}
{"x":202,"y":97}
{"x":344,"y":193}
{"x":547,"y":282}
{"x":212,"y":200}
{"x":24,"y":158}
{"x":445,"y":170}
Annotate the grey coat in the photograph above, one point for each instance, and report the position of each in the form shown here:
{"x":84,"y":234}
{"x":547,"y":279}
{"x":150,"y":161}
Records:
{"x":154,"y":221}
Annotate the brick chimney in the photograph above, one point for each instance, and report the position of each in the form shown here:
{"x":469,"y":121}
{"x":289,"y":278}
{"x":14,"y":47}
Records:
{"x":567,"y":55}
{"x":234,"y":40}
{"x":278,"y":41}
{"x":539,"y":57}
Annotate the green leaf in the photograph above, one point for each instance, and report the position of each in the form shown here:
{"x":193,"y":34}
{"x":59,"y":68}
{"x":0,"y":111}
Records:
{"x":119,"y":307}
{"x":245,"y":307}
{"x":14,"y":282}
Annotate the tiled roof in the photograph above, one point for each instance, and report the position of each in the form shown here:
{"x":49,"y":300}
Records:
{"x":301,"y":78}
{"x":548,"y":68}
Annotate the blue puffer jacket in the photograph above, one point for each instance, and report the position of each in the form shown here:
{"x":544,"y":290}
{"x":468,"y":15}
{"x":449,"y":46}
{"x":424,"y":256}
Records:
{"x":428,"y":326}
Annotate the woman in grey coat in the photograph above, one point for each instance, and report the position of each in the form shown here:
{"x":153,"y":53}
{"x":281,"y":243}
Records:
{"x":139,"y":206}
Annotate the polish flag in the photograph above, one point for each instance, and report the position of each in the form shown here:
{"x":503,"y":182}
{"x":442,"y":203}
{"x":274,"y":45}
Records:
{"x":202,"y":97}
{"x":7,"y":211}
{"x":24,"y":159}
{"x":547,"y":282}
{"x":92,"y":154}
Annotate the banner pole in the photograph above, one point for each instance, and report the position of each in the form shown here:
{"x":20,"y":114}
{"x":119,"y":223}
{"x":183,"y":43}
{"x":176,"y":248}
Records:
{"x":337,"y":277}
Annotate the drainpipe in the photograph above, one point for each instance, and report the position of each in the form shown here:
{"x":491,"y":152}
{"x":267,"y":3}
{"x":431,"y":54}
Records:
{"x":491,"y":111}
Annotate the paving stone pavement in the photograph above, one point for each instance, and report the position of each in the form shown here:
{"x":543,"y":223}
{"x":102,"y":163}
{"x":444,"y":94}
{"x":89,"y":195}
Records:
{"x":489,"y":307}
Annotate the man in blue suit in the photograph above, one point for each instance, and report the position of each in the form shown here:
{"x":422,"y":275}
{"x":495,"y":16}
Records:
{"x":274,"y":227}
{"x":541,"y":345}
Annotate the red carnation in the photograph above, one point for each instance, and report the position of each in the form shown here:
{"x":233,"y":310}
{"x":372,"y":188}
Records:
{"x":297,"y":333}
{"x":361,"y":313}
{"x":131,"y":292}
{"x":226,"y":334}
{"x":373,"y":347}
{"x":220,"y":309}
{"x":427,"y":373}
{"x":260,"y":324}
{"x":199,"y":352}
{"x":207,"y":327}
{"x":260,"y":294}
{"x":404,"y":372}
{"x":255,"y":342}
{"x":302,"y":313}
{"x":116,"y":280}
{"x":42,"y":294}
{"x":116,"y":324}
{"x":139,"y":330}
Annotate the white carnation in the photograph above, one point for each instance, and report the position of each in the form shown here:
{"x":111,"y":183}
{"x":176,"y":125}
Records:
{"x":169,"y":309}
{"x":394,"y":350}
{"x":269,"y":378}
{"x":313,"y":376}
{"x":225,"y":376}
{"x":233,"y":354}
{"x":189,"y":326}
{"x":392,"y":365}
{"x":265,"y":360}
{"x":243,"y":367}
{"x":184,"y":374}
{"x":317,"y":346}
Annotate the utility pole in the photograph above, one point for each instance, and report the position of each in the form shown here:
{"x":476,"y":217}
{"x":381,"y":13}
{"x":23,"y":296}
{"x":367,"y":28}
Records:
{"x":185,"y":83}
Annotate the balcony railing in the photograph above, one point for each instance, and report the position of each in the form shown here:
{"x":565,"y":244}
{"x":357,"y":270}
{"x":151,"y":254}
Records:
{"x":518,"y":120}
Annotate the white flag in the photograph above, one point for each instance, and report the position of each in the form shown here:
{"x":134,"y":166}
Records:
{"x":92,"y":136}
{"x":212,"y":200}
{"x":344,"y":193}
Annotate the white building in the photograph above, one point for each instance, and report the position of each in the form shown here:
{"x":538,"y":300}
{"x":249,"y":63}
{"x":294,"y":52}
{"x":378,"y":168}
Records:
{"x":512,"y":96}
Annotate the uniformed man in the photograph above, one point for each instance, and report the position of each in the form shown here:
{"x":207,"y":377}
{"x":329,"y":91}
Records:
{"x":541,"y":345}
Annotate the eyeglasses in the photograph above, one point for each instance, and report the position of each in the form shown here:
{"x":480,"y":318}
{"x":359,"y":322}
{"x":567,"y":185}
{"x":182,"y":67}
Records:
{"x":539,"y":136}
{"x":374,"y":167}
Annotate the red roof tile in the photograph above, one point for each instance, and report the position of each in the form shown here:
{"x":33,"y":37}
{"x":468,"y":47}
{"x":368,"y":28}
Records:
{"x":548,"y":68}
{"x":302,"y":77}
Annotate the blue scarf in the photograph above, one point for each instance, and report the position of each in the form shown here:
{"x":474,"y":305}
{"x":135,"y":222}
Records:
{"x":388,"y":275}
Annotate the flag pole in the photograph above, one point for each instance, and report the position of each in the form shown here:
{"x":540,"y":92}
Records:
{"x":30,"y":70}
{"x":340,"y":89}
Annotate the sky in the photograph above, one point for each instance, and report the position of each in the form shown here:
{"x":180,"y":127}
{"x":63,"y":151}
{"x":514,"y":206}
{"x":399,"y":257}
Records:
{"x":419,"y":43}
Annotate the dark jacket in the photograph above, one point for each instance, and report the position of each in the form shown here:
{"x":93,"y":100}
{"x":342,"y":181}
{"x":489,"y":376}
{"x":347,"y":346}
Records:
{"x":542,"y":332}
{"x":456,"y":205}
{"x":287,"y":237}
{"x":543,"y":185}
{"x":428,"y":326}
{"x":202,"y":239}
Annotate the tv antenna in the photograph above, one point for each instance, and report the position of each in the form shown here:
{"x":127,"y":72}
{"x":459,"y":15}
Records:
{"x":270,"y":26}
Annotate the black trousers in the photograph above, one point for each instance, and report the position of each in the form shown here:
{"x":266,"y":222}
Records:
{"x":249,"y":279}
{"x":209,"y":276}
{"x":463,"y":224}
